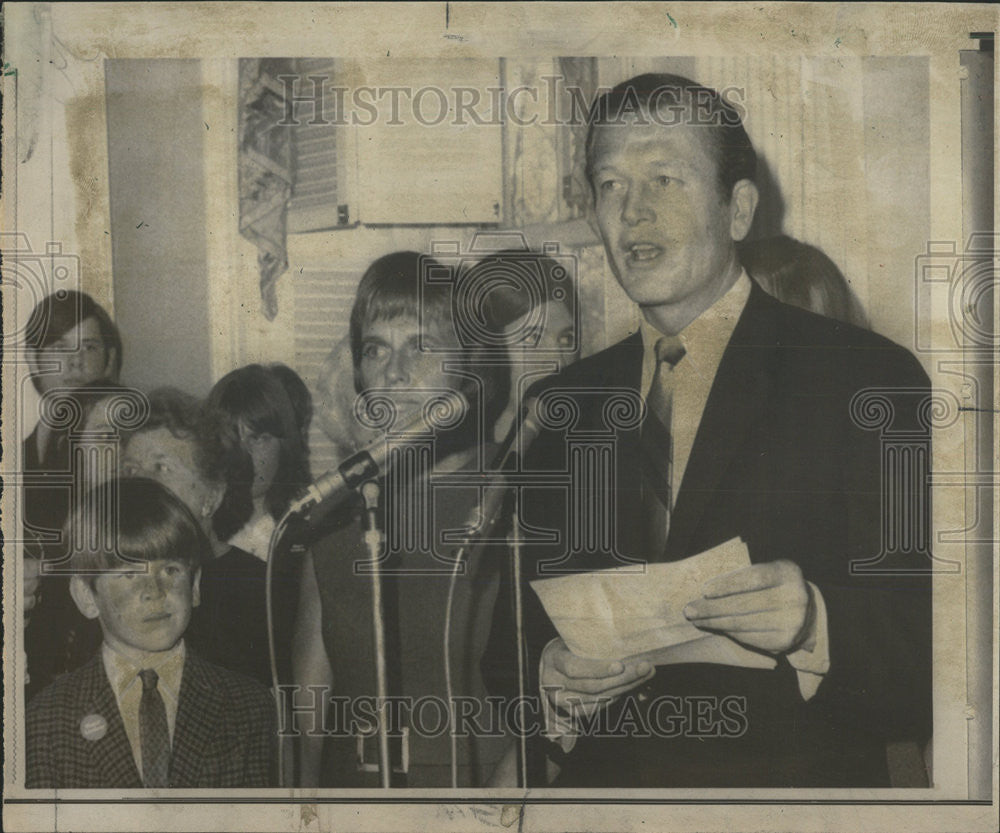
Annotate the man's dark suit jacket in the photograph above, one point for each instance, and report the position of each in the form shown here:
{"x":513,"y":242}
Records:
{"x":224,"y":734}
{"x":778,"y":461}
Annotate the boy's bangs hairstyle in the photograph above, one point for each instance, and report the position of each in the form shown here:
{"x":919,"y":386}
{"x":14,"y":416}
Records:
{"x":668,"y":99}
{"x":391,"y":288}
{"x":152,"y":525}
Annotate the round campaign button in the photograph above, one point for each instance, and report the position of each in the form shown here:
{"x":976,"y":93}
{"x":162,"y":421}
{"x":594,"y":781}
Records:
{"x":93,"y":727}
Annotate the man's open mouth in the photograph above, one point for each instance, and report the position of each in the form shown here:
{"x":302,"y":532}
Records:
{"x":643,"y":252}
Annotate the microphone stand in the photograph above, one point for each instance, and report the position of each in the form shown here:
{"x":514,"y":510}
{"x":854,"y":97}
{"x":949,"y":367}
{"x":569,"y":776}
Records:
{"x":373,"y":539}
{"x":515,"y":555}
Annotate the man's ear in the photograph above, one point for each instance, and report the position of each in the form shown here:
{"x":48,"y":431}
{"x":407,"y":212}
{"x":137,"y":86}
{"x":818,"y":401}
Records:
{"x":742,"y":207}
{"x":196,"y":588}
{"x":83,"y":596}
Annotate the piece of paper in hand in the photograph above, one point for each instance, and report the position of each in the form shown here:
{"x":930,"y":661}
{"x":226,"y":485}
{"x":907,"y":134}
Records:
{"x":613,"y":614}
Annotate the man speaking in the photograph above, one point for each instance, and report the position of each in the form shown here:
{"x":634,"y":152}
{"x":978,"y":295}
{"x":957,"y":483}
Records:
{"x":747,"y":433}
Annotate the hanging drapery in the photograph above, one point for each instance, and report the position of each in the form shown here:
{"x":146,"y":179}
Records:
{"x":265,"y":169}
{"x":579,"y":88}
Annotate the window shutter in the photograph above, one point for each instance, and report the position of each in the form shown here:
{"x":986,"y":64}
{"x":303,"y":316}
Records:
{"x":320,"y":191}
{"x":323,"y":301}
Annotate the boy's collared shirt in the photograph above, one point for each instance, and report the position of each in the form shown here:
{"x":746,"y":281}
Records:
{"x":123,"y":675}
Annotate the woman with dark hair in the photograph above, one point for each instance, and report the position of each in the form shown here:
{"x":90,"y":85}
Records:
{"x":251,"y":410}
{"x":803,"y":276}
{"x":298,"y":395}
{"x":531,"y":302}
{"x":408,"y":358}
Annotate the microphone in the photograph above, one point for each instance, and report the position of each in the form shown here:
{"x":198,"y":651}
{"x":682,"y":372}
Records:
{"x":521,"y":436}
{"x":368,"y":463}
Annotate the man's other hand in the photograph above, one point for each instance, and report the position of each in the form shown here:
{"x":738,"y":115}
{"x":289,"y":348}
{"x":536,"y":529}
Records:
{"x":579,"y":686}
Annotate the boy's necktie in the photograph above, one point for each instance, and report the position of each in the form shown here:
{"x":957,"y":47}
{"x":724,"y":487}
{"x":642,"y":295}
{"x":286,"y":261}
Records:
{"x":657,"y":447}
{"x":154,"y":736}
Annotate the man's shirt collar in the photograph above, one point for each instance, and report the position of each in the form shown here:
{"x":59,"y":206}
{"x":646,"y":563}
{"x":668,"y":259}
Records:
{"x":704,"y":339}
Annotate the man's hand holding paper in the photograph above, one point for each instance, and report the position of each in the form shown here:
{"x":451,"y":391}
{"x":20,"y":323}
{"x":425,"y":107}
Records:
{"x":767,"y":606}
{"x":578,"y":685}
{"x":639,"y":613}
{"x":715,"y":607}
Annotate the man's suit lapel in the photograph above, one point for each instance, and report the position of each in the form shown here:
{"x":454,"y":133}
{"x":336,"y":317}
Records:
{"x":111,"y":755}
{"x":199,"y":718}
{"x":735,"y":405}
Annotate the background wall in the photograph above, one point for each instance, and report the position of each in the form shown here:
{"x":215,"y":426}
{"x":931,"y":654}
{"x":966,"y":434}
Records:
{"x":157,"y":179}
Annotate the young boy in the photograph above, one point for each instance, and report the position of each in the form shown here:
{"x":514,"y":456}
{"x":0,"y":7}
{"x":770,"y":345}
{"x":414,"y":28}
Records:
{"x":145,"y":711}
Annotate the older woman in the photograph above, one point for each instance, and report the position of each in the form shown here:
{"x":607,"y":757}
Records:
{"x":176,"y":447}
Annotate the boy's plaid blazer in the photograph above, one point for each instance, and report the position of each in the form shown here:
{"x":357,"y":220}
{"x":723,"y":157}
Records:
{"x":224,"y":735}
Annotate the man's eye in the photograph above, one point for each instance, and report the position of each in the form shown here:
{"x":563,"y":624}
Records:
{"x":372,"y":351}
{"x":663,"y":180}
{"x":609,"y":185}
{"x":173,"y":569}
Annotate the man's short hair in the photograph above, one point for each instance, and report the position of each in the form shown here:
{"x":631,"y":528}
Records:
{"x":672,"y":99}
{"x":152,"y":524}
{"x":58,"y":313}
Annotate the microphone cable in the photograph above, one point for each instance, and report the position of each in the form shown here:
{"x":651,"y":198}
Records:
{"x":272,"y":656}
{"x":479,"y":522}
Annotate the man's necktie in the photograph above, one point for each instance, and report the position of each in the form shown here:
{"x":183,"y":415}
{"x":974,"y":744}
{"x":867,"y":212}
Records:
{"x":154,"y":736}
{"x":657,"y":447}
